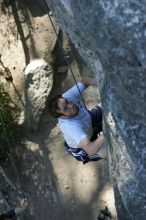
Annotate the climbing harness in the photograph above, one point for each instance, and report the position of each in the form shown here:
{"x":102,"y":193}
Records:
{"x":81,"y":155}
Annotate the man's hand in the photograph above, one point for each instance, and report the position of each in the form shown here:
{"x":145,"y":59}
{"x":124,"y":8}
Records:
{"x":89,"y":82}
{"x":23,"y":205}
{"x":97,"y":146}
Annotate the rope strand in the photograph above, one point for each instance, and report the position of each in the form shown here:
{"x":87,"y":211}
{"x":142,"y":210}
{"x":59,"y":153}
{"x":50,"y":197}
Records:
{"x":65,"y":57}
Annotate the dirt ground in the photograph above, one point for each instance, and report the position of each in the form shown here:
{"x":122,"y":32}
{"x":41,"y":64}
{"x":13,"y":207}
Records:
{"x":56,"y":185}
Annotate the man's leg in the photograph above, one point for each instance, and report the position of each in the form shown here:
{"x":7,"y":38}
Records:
{"x":96,"y":117}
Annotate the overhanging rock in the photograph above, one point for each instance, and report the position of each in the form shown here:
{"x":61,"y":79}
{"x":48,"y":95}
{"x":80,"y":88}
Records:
{"x":111,"y":37}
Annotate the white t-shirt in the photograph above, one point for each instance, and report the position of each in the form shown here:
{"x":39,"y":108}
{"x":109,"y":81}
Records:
{"x":76,"y":128}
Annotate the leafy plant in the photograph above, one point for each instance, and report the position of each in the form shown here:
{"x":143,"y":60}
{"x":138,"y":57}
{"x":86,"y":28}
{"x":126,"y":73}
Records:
{"x":6,"y":121}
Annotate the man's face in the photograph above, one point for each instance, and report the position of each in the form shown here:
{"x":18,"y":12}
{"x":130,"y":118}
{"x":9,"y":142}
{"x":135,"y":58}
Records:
{"x":67,"y":108}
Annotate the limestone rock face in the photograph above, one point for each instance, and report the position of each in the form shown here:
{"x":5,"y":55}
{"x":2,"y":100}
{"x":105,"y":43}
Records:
{"x":111,"y":37}
{"x":38,"y":84}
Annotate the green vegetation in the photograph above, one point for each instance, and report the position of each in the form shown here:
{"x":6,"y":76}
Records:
{"x":6,"y":121}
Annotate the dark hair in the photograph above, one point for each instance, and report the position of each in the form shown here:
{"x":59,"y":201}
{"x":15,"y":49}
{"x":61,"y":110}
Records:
{"x":2,"y":217}
{"x":53,"y":106}
{"x":8,"y":215}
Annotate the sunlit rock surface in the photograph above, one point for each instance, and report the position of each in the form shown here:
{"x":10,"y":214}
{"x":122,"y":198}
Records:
{"x":38,"y":84}
{"x":111,"y":37}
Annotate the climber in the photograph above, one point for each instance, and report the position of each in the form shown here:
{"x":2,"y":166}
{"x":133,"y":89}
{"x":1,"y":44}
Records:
{"x":82,"y":129}
{"x":13,"y":213}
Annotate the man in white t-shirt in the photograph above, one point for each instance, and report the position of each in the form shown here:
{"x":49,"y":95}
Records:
{"x":77,"y":123}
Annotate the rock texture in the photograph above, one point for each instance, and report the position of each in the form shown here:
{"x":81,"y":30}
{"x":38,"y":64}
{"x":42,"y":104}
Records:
{"x":111,"y":37}
{"x":38,"y":84}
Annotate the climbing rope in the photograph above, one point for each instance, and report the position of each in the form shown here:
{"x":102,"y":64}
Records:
{"x":65,"y":56}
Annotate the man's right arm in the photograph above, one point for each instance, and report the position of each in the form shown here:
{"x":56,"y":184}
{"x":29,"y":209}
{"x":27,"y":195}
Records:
{"x":97,"y":146}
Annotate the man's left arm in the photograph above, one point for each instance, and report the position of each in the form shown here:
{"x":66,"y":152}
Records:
{"x":82,"y":85}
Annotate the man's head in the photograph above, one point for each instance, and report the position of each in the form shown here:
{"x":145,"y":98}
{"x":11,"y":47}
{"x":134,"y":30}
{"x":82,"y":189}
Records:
{"x":62,"y":107}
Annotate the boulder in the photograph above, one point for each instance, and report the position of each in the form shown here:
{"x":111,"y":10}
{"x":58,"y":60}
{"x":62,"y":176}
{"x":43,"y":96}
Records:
{"x":38,"y":84}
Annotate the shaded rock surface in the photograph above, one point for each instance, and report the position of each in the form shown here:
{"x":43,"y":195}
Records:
{"x":110,"y":36}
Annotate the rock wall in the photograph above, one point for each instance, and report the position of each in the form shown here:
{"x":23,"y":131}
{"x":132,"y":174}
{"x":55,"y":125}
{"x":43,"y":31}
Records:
{"x":26,"y":35}
{"x":111,"y":37}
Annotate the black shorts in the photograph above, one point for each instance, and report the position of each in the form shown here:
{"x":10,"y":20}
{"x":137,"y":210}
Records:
{"x":96,"y":117}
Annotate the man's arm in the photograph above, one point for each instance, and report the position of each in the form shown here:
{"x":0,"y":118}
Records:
{"x":97,"y":146}
{"x":82,"y":85}
{"x":89,"y":82}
